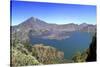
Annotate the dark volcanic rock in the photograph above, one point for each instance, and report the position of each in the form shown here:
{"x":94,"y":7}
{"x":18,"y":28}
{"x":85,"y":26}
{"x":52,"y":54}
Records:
{"x":92,"y":50}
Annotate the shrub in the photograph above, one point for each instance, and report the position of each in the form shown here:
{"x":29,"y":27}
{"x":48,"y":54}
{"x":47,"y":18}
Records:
{"x":20,"y":59}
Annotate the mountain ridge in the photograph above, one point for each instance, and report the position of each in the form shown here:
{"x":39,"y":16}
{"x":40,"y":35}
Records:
{"x":32,"y":18}
{"x":34,"y":27}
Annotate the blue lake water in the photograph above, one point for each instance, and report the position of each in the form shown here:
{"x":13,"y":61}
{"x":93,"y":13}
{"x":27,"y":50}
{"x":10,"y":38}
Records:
{"x":78,"y":41}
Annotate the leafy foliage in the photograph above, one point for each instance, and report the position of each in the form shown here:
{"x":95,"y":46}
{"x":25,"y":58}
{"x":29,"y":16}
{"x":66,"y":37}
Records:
{"x":47,"y":54}
{"x":21,"y":59}
{"x":21,"y":56}
{"x":28,"y":46}
{"x":25,"y":54}
{"x":77,"y":57}
{"x":80,"y":57}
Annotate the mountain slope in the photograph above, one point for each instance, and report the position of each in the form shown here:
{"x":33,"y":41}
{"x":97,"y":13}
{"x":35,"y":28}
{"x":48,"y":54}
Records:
{"x":34,"y":27}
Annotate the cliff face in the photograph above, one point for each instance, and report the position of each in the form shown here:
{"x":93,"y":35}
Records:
{"x":47,"y":54}
{"x":89,"y":54}
{"x":92,"y":50}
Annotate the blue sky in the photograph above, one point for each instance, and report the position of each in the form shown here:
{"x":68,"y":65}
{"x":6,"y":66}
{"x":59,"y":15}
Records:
{"x":52,"y":12}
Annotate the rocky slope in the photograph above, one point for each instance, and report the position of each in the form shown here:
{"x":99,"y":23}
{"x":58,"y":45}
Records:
{"x":47,"y":54}
{"x":34,"y":27}
{"x":24,"y":54}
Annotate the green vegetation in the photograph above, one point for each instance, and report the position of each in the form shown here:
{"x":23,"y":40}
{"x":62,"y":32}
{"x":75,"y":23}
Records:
{"x":24,"y":54}
{"x":47,"y":54}
{"x":89,"y":54}
{"x":21,"y":59}
{"x":80,"y":57}
{"x":77,"y":57}
{"x":28,"y":46}
{"x":21,"y":56}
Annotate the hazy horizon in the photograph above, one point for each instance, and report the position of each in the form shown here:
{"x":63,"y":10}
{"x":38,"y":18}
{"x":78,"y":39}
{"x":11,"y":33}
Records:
{"x":52,"y":13}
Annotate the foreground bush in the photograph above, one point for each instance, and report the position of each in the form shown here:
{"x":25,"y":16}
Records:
{"x":47,"y":54}
{"x":21,"y":59}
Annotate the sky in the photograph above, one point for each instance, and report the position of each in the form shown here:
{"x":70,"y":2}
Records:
{"x":52,"y":12}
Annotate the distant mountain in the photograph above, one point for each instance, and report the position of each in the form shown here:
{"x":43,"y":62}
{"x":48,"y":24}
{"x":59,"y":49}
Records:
{"x":34,"y":27}
{"x":87,"y":27}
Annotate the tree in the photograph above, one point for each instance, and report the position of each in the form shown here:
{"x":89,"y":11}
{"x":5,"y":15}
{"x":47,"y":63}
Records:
{"x":77,"y":57}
